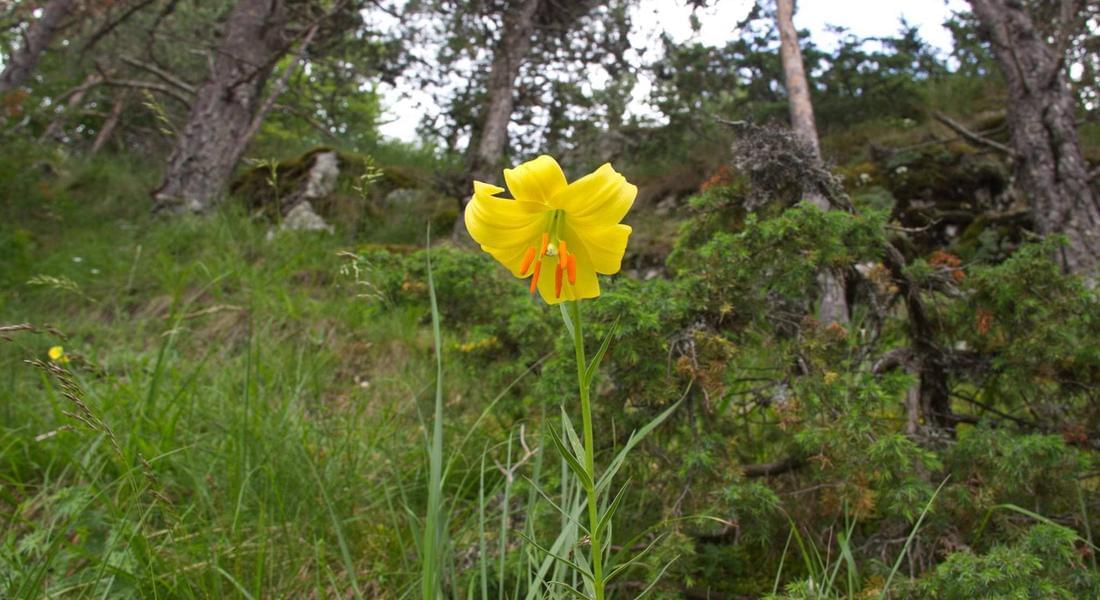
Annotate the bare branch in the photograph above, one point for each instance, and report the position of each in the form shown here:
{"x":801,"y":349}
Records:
{"x":279,"y":87}
{"x":778,"y":467}
{"x":152,"y":86}
{"x":960,"y":129}
{"x":103,"y":31}
{"x":314,"y":123}
{"x":161,"y":73}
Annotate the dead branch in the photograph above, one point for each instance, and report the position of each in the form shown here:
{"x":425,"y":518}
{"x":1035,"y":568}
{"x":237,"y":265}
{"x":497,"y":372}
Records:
{"x":109,"y":27}
{"x":778,"y":467}
{"x":161,"y":73}
{"x":279,"y":87}
{"x":314,"y":123}
{"x":510,"y":472}
{"x":960,"y":129}
{"x":89,"y":82}
{"x":898,"y":357}
{"x":75,"y":96}
{"x":152,"y":86}
{"x":110,"y":123}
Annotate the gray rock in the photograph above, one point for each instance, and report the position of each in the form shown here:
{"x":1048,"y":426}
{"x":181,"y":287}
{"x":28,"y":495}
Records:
{"x":408,"y":197}
{"x":303,"y":218}
{"x":321,"y":180}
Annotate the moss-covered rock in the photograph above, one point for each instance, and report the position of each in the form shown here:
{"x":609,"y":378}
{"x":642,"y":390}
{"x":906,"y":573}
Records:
{"x":992,"y":236}
{"x":940,"y":189}
{"x":390,"y":204}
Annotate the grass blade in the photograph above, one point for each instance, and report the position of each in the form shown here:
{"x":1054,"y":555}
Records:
{"x":637,"y":436}
{"x":909,"y":540}
{"x":432,"y":548}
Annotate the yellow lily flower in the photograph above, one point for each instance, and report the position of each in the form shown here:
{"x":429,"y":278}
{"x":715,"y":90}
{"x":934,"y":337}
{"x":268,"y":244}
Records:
{"x":572,"y":228}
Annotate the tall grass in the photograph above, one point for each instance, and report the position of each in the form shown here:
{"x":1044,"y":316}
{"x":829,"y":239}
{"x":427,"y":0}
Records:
{"x":249,"y":394}
{"x":433,"y":550}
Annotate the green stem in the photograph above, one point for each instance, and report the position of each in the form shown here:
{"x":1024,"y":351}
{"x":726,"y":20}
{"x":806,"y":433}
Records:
{"x":589,"y":452}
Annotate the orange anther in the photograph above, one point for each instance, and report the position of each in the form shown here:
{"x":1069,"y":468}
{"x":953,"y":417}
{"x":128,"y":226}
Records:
{"x":535,"y":277}
{"x":528,"y":258}
{"x":545,"y":242}
{"x":557,"y":281}
{"x":563,"y":255}
{"x":572,"y":269}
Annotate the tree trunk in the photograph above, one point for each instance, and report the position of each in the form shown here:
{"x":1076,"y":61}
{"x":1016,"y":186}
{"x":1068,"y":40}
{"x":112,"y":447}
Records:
{"x":930,"y":397}
{"x":39,"y":35}
{"x":219,"y":124}
{"x":833,"y":306}
{"x":515,"y":42}
{"x":1049,"y":162}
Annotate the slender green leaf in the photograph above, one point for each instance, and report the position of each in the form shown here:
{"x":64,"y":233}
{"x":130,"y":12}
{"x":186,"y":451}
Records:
{"x":594,"y":364}
{"x":565,"y":316}
{"x":619,"y":569}
{"x":571,"y":434}
{"x":605,"y":518}
{"x":574,"y":464}
{"x":652,"y":584}
{"x":637,"y":436}
{"x":559,"y":558}
{"x":572,"y":590}
{"x":538,"y":490}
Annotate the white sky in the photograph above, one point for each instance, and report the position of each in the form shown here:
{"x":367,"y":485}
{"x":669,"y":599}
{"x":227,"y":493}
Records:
{"x":864,"y":18}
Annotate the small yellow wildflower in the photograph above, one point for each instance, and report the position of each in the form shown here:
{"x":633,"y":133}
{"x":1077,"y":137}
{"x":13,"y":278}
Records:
{"x":573,"y":228}
{"x":489,"y":342}
{"x":831,"y":377}
{"x":57,"y":355}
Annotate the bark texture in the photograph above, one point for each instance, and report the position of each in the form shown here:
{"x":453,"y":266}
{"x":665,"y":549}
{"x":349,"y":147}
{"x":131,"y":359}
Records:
{"x":21,"y":63}
{"x":515,"y":43}
{"x":220,"y":121}
{"x":1049,"y":164}
{"x":833,"y":306}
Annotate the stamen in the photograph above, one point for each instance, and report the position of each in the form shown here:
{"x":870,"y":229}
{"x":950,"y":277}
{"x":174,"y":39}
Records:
{"x":557,"y":281}
{"x":535,"y":277}
{"x":545,"y":242}
{"x":572,"y":269}
{"x":563,"y":255}
{"x":528,"y":258}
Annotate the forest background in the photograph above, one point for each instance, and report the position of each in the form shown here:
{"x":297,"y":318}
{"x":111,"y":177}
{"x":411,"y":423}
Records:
{"x":863,"y":279}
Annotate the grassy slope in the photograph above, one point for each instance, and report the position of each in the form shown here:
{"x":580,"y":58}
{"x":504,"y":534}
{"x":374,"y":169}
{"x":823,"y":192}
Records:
{"x":276,"y":411}
{"x":271,"y":413}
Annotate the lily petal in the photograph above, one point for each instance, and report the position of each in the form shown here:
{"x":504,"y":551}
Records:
{"x":602,"y":197}
{"x":502,"y":223}
{"x":603,"y":247}
{"x":536,"y":180}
